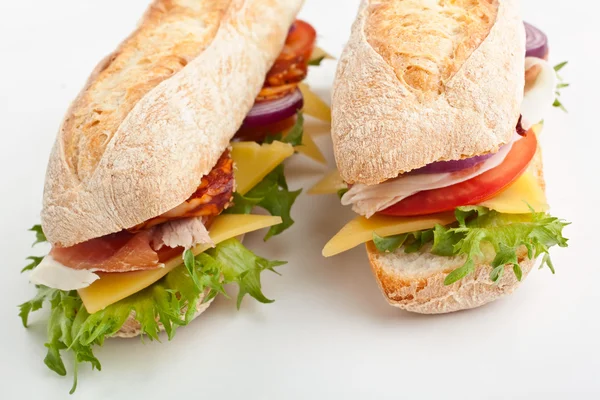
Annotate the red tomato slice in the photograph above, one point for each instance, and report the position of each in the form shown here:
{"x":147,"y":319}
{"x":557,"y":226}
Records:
{"x":473,"y":191}
{"x":292,"y":64}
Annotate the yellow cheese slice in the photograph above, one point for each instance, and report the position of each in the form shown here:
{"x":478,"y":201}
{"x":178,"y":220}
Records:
{"x":360,"y":230}
{"x":331,"y":183}
{"x":111,"y":288}
{"x":313,"y":105}
{"x":253,"y":162}
{"x":320,"y":53}
{"x":315,"y":128}
{"x":310,"y":149}
{"x":525,"y":192}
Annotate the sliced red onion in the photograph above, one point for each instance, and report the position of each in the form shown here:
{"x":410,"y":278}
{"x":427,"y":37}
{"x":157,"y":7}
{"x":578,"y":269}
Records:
{"x":537,"y":42}
{"x":269,"y":112}
{"x":451,"y":166}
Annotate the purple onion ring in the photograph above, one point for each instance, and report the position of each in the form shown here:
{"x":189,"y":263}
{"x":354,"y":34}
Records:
{"x":442,"y":167}
{"x":537,"y":42}
{"x":292,"y":28}
{"x":269,"y":112}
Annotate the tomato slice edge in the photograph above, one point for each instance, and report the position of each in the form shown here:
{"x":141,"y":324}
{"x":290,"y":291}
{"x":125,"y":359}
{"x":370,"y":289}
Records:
{"x":292,"y":63}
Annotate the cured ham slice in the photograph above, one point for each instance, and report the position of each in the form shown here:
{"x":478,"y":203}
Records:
{"x":118,"y":252}
{"x":125,"y":251}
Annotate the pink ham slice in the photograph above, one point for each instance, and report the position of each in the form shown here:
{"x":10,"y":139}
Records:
{"x":125,"y":251}
{"x":118,"y":252}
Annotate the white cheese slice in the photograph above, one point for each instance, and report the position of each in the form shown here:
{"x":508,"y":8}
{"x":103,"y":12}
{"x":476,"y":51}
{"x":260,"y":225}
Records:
{"x":53,"y":274}
{"x":538,"y":99}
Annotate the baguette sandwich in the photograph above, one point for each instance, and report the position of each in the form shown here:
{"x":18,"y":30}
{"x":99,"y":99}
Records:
{"x":436,"y":113}
{"x":157,"y":165}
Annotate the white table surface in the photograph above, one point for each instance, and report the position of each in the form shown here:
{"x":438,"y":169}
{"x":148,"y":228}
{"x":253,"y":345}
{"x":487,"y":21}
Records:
{"x":330,"y":334}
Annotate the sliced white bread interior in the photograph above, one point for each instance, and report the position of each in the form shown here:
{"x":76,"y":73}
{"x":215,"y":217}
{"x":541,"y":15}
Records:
{"x":415,"y":282}
{"x":423,"y":81}
{"x":156,"y":114}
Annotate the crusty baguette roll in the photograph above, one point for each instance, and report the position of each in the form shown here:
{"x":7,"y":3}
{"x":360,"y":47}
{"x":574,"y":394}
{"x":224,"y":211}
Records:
{"x":415,"y":282}
{"x":156,"y":114}
{"x":422,"y":81}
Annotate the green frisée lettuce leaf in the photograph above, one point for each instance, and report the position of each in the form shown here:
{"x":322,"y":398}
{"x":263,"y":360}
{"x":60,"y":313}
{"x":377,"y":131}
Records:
{"x":390,"y":243}
{"x":479,"y":228}
{"x":35,"y":261}
{"x":294,"y":135}
{"x":171,"y":302}
{"x":561,"y":85}
{"x":239,"y":265}
{"x":342,"y":192}
{"x":419,"y":240}
{"x":318,"y":56}
{"x":39,"y":234}
{"x":271,"y":194}
{"x":412,"y":241}
{"x":316,"y":61}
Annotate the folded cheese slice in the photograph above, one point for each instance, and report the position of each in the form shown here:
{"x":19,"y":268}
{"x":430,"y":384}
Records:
{"x":254,"y":161}
{"x":331,"y":183}
{"x":523,"y":196}
{"x":310,"y":149}
{"x":313,"y":105}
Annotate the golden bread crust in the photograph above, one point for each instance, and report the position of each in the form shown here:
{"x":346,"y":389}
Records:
{"x":172,"y":33}
{"x":427,"y":42}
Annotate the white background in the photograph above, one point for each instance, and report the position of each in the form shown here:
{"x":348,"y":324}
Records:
{"x":330,"y":334}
